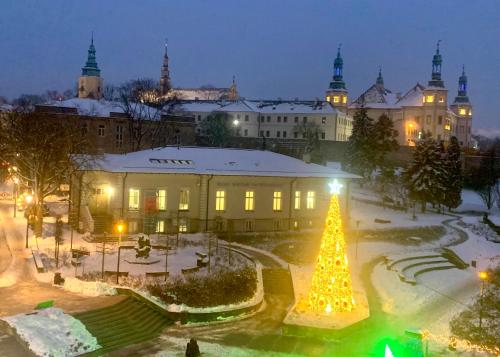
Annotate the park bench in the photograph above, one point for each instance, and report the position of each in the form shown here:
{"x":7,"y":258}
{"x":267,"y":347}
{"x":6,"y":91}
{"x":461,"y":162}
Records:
{"x":38,"y":261}
{"x":202,"y":260}
{"x":113,"y":273}
{"x":157,"y":274}
{"x":190,"y":270}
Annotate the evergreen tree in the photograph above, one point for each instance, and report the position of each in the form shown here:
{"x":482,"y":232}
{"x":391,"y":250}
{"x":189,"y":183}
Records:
{"x":384,"y":140}
{"x":453,"y":177}
{"x":360,"y":153}
{"x":425,"y":175}
{"x":216,"y":128}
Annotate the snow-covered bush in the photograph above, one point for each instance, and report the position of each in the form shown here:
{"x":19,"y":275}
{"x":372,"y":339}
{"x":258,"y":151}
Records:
{"x":223,"y":287}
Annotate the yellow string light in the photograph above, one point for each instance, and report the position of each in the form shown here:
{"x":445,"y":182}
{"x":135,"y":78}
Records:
{"x":331,"y":288}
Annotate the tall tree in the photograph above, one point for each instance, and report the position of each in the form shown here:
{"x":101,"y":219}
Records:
{"x":42,"y":149}
{"x":142,"y":103}
{"x":216,"y":128}
{"x":453,"y":177}
{"x":384,"y":140}
{"x":311,"y":132}
{"x":360,"y":155}
{"x":485,"y":179}
{"x":424,"y":176}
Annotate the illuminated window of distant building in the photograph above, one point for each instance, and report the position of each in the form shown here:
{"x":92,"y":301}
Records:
{"x":296,"y":200}
{"x":249,"y":200}
{"x":470,"y":112}
{"x":295,"y":224}
{"x":277,"y":201}
{"x":133,"y":199}
{"x":311,"y":200}
{"x":183,"y":199}
{"x":182,"y":227}
{"x":462,"y":111}
{"x":220,"y":200}
{"x":344,"y":99}
{"x":441,"y":99}
{"x":327,"y":98}
{"x":160,"y":227}
{"x":336,"y":99}
{"x":161,"y":200}
{"x":429,"y":98}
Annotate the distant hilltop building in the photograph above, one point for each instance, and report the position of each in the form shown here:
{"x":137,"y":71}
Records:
{"x":201,"y":93}
{"x":90,"y":82}
{"x":421,"y":109}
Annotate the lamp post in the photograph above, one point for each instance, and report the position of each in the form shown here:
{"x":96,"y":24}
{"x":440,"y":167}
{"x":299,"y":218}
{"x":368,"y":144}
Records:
{"x":15,"y":180}
{"x":484,"y":277}
{"x":120,"y":227}
{"x":28,"y":200}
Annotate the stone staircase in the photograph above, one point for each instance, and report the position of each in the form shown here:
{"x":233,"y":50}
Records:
{"x":129,"y":322}
{"x":277,"y":281}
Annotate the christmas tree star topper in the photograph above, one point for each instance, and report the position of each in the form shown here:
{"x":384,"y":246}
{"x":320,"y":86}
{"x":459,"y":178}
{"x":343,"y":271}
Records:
{"x":335,"y":187}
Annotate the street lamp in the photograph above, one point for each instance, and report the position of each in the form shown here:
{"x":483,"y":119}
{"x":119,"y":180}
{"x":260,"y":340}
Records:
{"x":483,"y":275}
{"x":28,"y":199}
{"x":120,"y":227}
{"x":236,"y":122}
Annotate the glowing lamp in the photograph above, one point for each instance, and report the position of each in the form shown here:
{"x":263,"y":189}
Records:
{"x":120,"y":227}
{"x":236,"y":122}
{"x":110,"y":190}
{"x":335,"y":187}
{"x":483,"y":275}
{"x":28,"y":199}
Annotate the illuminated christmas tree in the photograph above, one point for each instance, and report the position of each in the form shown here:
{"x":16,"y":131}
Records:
{"x":331,"y":288}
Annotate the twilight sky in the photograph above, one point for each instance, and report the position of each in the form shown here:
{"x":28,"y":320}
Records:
{"x":275,"y":48}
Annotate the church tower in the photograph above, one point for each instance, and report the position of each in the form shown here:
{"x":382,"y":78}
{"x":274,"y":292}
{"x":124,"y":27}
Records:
{"x":165,"y":85}
{"x":435,"y":103}
{"x":380,"y":80}
{"x":90,"y":82}
{"x":462,"y":108}
{"x":337,"y":92}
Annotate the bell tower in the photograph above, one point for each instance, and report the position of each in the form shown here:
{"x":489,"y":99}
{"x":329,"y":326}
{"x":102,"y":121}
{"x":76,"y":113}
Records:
{"x":462,"y":108}
{"x":165,"y":85}
{"x":336,"y":94}
{"x":90,"y":82}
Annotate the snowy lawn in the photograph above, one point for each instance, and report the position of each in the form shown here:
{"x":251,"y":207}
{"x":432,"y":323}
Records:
{"x":51,"y":332}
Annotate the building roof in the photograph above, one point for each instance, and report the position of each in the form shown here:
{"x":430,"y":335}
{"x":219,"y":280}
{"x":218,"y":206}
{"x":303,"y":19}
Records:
{"x":256,"y":106}
{"x":377,"y":96}
{"x":215,"y":161}
{"x":412,"y":98}
{"x":103,"y":108}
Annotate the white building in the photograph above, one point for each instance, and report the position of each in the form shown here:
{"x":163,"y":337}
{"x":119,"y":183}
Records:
{"x":271,"y":119}
{"x":198,"y":189}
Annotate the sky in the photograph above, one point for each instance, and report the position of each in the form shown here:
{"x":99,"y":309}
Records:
{"x":274,"y":48}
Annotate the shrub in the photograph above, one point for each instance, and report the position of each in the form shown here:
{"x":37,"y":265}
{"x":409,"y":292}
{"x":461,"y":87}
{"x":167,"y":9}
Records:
{"x":221,"y":288}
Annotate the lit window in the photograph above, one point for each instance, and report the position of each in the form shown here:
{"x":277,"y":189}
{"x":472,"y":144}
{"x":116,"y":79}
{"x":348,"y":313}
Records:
{"x":429,"y":98}
{"x":184,"y":200}
{"x":295,"y":224}
{"x":470,"y":112}
{"x":336,"y":99}
{"x":160,"y":227}
{"x":220,"y":200}
{"x":323,"y":120}
{"x":462,"y":111}
{"x":133,"y":199}
{"x":423,"y":99}
{"x":311,"y":199}
{"x":277,"y":201}
{"x":249,"y":200}
{"x":182,"y":225}
{"x":297,"y":200}
{"x":327,"y":98}
{"x":161,"y":200}
{"x":441,"y":99}
{"x":344,"y":99}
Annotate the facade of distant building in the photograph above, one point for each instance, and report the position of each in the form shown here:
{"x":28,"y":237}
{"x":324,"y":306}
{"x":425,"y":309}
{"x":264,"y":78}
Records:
{"x":192,"y":189}
{"x":279,"y":119}
{"x":202,"y":93}
{"x":110,"y":130}
{"x":421,"y":109}
{"x":90,"y":84}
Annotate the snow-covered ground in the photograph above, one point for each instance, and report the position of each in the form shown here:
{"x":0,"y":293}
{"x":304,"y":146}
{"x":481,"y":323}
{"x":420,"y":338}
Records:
{"x":52,"y":333}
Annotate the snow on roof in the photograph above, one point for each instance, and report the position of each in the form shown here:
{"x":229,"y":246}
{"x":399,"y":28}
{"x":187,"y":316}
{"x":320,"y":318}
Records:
{"x":103,"y":108}
{"x":199,"y":93}
{"x":216,"y":161}
{"x":412,"y":98}
{"x":6,"y":108}
{"x":376,"y":97}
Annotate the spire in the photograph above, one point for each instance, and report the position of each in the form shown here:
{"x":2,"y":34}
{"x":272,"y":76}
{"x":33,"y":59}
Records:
{"x":437,"y":61}
{"x":91,"y":68}
{"x":380,"y":79}
{"x":165,"y":73}
{"x":233,"y":90}
{"x":338,"y":66}
{"x":462,"y":88}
